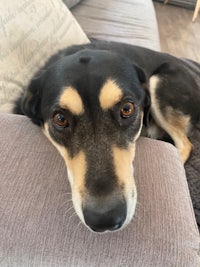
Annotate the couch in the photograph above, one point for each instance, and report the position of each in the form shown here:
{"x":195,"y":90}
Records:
{"x":38,"y":226}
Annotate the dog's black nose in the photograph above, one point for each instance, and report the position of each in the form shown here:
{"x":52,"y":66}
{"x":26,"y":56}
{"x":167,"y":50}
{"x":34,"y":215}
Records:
{"x":105,"y":218}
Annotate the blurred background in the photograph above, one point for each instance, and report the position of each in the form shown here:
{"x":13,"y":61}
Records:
{"x":178,"y":34}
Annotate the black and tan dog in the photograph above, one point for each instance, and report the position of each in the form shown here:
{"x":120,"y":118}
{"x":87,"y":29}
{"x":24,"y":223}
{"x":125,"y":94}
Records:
{"x":92,"y":102}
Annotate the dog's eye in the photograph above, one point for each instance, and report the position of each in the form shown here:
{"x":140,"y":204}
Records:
{"x":127,"y":109}
{"x":60,"y":120}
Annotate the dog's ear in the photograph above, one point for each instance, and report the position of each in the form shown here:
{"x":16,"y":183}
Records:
{"x":147,"y":106}
{"x":30,"y":102}
{"x":147,"y":100}
{"x":141,"y":75}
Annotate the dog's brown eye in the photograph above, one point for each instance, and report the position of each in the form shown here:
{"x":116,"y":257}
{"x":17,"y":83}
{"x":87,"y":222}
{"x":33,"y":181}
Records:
{"x":60,"y":120}
{"x":127,"y":109}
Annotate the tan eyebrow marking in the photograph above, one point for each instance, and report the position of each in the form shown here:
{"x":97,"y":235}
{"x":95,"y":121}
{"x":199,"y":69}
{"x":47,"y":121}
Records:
{"x":110,"y":94}
{"x":71,"y":100}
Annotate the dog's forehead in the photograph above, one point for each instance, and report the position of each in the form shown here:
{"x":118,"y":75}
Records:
{"x":96,"y":58}
{"x":89,"y":64}
{"x":99,"y":76}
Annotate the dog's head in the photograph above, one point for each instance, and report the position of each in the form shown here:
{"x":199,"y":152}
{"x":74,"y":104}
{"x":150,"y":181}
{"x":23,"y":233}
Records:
{"x":91,"y":105}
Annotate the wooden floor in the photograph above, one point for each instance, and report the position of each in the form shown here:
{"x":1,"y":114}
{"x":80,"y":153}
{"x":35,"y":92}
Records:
{"x":178,"y":34}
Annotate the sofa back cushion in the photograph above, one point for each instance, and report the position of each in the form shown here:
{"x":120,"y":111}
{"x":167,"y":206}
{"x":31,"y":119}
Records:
{"x":30,"y":32}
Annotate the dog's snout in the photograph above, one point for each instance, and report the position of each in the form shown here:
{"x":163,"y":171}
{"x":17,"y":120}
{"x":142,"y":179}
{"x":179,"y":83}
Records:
{"x":103,"y":218}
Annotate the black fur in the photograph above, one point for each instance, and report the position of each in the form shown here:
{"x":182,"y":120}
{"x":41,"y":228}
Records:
{"x":179,"y":72}
{"x":97,"y":131}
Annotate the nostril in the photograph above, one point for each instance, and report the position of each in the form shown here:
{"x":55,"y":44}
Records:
{"x":102,"y":219}
{"x":103,"y":228}
{"x":115,"y":227}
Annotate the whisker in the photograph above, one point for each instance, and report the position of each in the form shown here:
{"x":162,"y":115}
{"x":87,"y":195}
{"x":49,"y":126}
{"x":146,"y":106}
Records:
{"x":65,"y":194}
{"x":134,"y":220}
{"x":72,"y":215}
{"x":67,"y":211}
{"x":143,"y":186}
{"x":66,"y":204}
{"x":78,"y":225}
{"x":69,"y":200}
{"x":140,"y":204}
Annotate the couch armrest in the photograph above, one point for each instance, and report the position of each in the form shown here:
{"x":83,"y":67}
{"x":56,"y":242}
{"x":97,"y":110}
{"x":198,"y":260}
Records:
{"x":38,"y":226}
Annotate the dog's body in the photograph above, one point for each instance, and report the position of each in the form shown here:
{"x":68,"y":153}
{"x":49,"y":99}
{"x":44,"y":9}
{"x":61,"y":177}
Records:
{"x":92,"y":101}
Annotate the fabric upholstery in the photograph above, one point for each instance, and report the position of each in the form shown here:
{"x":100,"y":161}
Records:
{"x":38,"y":225}
{"x":129,"y":21}
{"x":192,"y":168}
{"x":71,"y":3}
{"x":30,"y":32}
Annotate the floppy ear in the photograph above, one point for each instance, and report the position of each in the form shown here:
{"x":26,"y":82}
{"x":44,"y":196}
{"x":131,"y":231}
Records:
{"x":147,"y":100}
{"x":147,"y":106}
{"x":141,"y":75}
{"x":29,"y":103}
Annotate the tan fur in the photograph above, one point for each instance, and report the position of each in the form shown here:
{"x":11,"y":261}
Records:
{"x":123,"y":159}
{"x":174,"y":123}
{"x":140,"y":129}
{"x":71,"y":100}
{"x":179,"y":125}
{"x":123,"y":163}
{"x":110,"y":95}
{"x":76,"y":168}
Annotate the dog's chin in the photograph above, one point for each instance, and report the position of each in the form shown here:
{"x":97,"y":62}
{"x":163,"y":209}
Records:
{"x":131,"y":200}
{"x":131,"y":205}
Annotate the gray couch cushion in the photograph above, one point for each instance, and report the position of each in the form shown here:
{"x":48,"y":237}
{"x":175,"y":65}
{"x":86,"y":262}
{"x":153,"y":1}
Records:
{"x":71,"y":3}
{"x":131,"y":21}
{"x":39,"y":228}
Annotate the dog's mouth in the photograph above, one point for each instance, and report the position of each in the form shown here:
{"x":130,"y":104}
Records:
{"x":105,"y":214}
{"x":100,"y":204}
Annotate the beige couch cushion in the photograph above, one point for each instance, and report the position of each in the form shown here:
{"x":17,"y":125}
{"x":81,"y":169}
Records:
{"x":31,"y":31}
{"x":38,"y":225}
